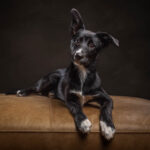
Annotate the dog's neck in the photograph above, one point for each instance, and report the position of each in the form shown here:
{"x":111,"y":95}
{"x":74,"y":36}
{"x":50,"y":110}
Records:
{"x":78,"y":71}
{"x":83,"y":71}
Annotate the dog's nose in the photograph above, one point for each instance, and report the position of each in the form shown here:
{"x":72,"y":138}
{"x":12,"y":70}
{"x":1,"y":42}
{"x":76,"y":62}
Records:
{"x":79,"y":54}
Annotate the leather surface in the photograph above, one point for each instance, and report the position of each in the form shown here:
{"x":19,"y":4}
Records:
{"x":42,"y":123}
{"x":42,"y":114}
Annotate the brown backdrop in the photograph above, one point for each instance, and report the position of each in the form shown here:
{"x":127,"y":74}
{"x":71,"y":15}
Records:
{"x":34,"y":40}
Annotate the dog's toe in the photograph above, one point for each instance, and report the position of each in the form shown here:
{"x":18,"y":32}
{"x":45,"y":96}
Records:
{"x":20,"y":93}
{"x":85,"y":126}
{"x":107,"y":131}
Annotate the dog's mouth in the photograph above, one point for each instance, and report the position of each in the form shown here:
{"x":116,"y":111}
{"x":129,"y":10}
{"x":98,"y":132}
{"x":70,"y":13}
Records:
{"x":80,"y":59}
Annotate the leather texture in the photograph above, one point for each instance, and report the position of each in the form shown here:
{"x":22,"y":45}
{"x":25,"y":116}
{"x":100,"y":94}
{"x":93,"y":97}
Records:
{"x":37,"y":122}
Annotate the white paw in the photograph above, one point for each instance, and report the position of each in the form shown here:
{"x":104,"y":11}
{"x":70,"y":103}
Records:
{"x":107,"y":131}
{"x":85,"y":126}
{"x":19,"y":93}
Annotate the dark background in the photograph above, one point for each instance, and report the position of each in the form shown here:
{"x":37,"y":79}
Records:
{"x":34,"y":40}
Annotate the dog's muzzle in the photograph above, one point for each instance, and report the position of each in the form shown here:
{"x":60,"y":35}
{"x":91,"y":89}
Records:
{"x":78,"y":54}
{"x":80,"y":57}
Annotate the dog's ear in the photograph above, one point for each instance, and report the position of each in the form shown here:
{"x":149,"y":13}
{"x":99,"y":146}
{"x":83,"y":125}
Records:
{"x":76,"y":23}
{"x":107,"y":39}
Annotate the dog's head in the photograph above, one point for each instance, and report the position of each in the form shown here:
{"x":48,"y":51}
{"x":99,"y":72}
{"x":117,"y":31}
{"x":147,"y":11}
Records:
{"x":85,"y":45}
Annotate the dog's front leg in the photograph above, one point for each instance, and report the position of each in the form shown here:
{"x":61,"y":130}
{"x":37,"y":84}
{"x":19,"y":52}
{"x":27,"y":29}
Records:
{"x":106,"y":122}
{"x":74,"y":105}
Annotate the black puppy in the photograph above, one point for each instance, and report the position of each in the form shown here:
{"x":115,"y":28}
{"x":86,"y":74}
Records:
{"x":79,"y":83}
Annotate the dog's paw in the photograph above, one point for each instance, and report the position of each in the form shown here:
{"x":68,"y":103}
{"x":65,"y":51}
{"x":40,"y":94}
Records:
{"x":85,"y":126}
{"x":107,"y":131}
{"x":20,"y":93}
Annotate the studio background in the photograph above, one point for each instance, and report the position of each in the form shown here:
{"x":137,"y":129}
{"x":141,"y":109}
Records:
{"x":34,"y":40}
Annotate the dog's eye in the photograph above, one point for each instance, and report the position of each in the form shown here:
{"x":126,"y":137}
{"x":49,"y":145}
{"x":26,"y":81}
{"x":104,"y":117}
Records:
{"x":77,"y":43}
{"x":91,"y":45}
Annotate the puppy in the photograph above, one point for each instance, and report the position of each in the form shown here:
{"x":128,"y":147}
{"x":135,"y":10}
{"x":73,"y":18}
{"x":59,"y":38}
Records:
{"x":79,"y":83}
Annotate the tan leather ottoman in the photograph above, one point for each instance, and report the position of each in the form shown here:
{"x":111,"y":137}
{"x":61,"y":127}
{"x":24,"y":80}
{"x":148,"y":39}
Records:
{"x":41,"y":123}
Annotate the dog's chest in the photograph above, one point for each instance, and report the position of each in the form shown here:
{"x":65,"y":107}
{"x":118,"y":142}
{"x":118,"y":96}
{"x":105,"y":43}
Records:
{"x":83,"y":75}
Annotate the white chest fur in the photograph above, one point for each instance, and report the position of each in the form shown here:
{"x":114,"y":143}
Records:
{"x":82,"y":75}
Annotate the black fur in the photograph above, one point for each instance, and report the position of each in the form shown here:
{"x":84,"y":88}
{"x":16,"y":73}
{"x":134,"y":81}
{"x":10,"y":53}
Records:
{"x":80,"y":78}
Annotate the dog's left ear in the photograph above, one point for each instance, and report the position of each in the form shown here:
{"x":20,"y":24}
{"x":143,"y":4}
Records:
{"x":107,"y":39}
{"x":76,"y":23}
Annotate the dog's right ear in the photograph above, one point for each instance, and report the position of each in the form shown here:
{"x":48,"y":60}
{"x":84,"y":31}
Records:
{"x":76,"y":23}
